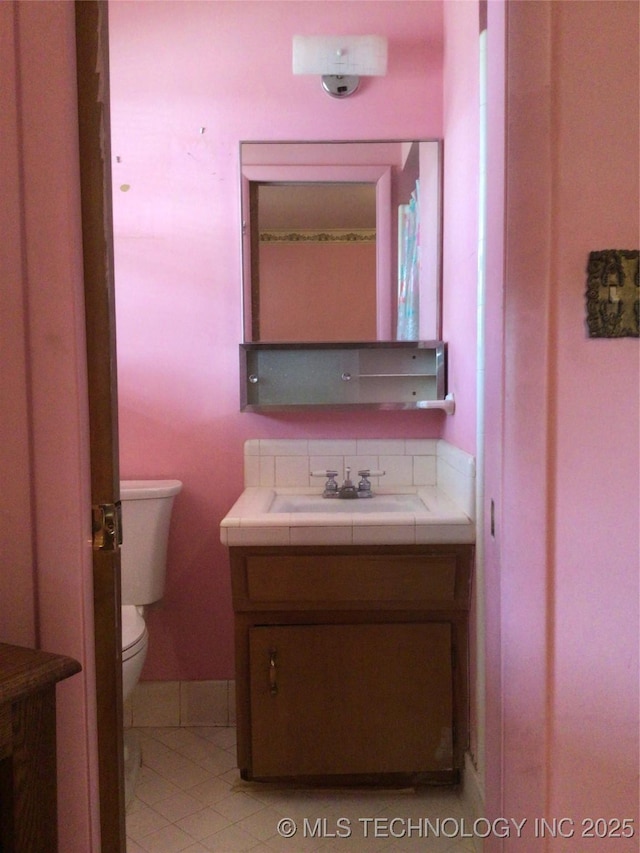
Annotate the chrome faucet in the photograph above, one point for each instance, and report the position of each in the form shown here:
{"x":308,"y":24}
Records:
{"x":364,"y":486}
{"x":331,"y":486}
{"x":347,"y":491}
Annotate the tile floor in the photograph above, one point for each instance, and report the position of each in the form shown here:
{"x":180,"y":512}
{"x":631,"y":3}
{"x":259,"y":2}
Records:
{"x":189,"y":797}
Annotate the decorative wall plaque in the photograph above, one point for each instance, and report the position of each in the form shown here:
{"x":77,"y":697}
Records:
{"x":613,"y":294}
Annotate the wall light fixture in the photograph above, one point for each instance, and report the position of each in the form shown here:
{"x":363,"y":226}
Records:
{"x":341,"y":60}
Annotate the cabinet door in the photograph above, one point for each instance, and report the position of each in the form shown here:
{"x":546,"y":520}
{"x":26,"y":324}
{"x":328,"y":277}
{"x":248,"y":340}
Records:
{"x":350,"y":699}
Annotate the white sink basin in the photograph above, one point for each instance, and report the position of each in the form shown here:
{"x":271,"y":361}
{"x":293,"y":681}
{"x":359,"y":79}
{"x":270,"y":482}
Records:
{"x":263,"y":515}
{"x":316,"y":503}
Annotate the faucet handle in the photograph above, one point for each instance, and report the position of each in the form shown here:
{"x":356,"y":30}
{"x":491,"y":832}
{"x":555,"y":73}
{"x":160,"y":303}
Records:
{"x":364,"y":486}
{"x":330,"y":487}
{"x":367,"y":472}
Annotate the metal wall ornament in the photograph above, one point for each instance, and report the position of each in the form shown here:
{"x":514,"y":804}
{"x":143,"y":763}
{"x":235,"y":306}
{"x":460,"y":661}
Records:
{"x":613,"y":294}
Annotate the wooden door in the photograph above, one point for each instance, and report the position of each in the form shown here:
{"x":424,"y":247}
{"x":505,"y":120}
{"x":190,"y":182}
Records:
{"x":350,"y":699}
{"x":97,"y":238}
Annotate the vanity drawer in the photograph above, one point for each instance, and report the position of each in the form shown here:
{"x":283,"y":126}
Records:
{"x":350,"y":578}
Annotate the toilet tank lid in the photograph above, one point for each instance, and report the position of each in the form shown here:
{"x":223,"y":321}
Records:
{"x":136,"y":490}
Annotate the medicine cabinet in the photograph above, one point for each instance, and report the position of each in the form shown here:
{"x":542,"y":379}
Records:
{"x":342,"y":275}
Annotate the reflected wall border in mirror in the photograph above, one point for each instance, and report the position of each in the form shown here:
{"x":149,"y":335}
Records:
{"x":391,"y":168}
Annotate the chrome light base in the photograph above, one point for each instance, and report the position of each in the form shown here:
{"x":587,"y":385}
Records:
{"x":340,"y":86}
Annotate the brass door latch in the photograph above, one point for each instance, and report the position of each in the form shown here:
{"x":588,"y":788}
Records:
{"x":106,"y":522}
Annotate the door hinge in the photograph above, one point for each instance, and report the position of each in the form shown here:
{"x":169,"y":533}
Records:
{"x":107,"y":526}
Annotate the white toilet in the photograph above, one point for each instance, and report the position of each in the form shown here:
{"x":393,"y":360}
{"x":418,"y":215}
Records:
{"x":146,"y":513}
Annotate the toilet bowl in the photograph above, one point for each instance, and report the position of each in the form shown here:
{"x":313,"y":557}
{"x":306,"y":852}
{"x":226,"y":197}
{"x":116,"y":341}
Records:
{"x":135,"y":640}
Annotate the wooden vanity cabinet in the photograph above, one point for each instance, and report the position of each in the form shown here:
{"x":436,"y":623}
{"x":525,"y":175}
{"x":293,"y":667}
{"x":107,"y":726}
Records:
{"x":351,"y":663}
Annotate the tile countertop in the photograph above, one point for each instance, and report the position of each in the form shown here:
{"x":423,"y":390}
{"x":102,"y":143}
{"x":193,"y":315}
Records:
{"x":249,"y":522}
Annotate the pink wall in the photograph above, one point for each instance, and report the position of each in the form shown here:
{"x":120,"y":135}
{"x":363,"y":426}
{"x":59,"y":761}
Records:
{"x":562,"y":573}
{"x":596,"y":384}
{"x":225,"y":67}
{"x":461,"y":115}
{"x":318,"y":291}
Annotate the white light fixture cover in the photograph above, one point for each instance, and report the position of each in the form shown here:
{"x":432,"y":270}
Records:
{"x":360,"y":56}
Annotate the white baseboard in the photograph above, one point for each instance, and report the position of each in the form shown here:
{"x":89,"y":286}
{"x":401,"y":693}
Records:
{"x":181,"y":703}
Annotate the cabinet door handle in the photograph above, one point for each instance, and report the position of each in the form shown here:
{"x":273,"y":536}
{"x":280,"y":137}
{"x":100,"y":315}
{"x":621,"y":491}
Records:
{"x":273,"y":675}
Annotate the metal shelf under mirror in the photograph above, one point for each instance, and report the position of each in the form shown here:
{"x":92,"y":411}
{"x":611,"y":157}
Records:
{"x":383,"y":375}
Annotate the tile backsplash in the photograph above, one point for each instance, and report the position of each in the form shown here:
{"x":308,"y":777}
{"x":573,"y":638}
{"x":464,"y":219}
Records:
{"x":407,"y":462}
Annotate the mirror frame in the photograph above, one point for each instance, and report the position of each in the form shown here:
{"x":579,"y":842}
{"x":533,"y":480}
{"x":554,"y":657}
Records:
{"x":252,"y":174}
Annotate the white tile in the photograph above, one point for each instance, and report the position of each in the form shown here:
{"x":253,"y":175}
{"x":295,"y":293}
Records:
{"x":177,"y":739}
{"x":204,"y":703}
{"x":252,"y":447}
{"x":232,"y":777}
{"x":211,"y":790}
{"x":146,"y":776}
{"x":156,"y":703}
{"x":152,"y":789}
{"x":180,"y":771}
{"x":178,"y":806}
{"x":291,"y":470}
{"x":384,"y":535}
{"x":258,"y":536}
{"x":399,"y":470}
{"x":380,"y":446}
{"x":171,"y":839}
{"x":214,"y":759}
{"x":321,"y":535}
{"x":143,"y":821}
{"x":230,"y":840}
{"x":134,"y":806}
{"x":263,"y":824}
{"x":284,"y":447}
{"x":231,"y":698}
{"x":332,"y":447}
{"x":360,"y":462}
{"x":160,"y":736}
{"x":358,"y":842}
{"x":245,"y":817}
{"x":267,"y":470}
{"x":203,"y":823}
{"x":251,"y":471}
{"x":238,"y":805}
{"x":223,"y":736}
{"x":297,"y":844}
{"x":458,"y":487}
{"x":421,"y":446}
{"x":424,"y":471}
{"x":459,"y":459}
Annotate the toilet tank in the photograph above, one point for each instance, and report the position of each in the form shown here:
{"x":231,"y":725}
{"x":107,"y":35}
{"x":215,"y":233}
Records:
{"x":146,"y":513}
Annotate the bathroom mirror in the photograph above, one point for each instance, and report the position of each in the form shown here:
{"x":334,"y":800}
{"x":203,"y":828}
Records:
{"x":326,"y":244}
